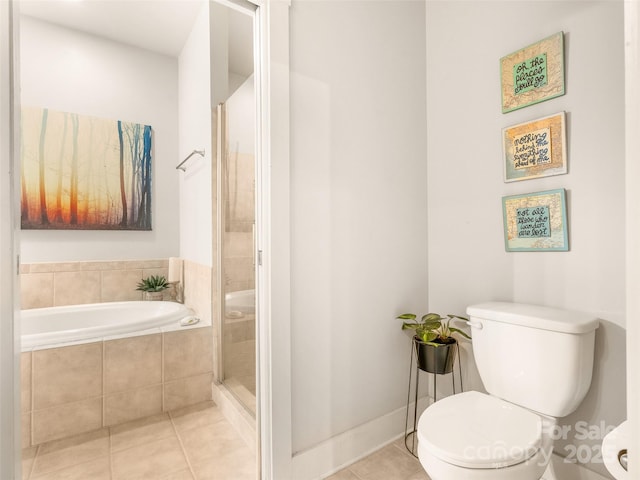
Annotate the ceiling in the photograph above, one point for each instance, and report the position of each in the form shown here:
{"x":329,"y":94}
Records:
{"x":161,"y":26}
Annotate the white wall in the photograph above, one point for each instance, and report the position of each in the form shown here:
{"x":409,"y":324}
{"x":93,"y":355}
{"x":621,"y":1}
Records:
{"x":358,"y":209}
{"x":196,"y":204}
{"x":70,"y":71}
{"x":467,"y":258}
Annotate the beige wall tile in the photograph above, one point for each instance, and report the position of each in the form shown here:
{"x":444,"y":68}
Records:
{"x":198,"y":289}
{"x":149,"y":263}
{"x":152,"y":460}
{"x":66,"y":420}
{"x":66,"y":374}
{"x":76,"y":288}
{"x":187,"y":353}
{"x":187,"y":391}
{"x":25,"y":381}
{"x":133,"y":404}
{"x":239,"y":269}
{"x":120,"y":285}
{"x":82,"y":448}
{"x":36,"y":290}
{"x":132,"y":363}
{"x":238,"y":244}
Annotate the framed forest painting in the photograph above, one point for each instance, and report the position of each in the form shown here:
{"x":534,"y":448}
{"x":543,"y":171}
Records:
{"x":84,"y":173}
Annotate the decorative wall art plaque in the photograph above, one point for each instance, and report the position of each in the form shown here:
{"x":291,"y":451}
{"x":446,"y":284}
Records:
{"x":533,"y":74}
{"x":535,"y":149}
{"x":535,"y":222}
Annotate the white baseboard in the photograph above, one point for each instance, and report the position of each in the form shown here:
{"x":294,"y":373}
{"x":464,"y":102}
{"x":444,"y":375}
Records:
{"x":347,"y":448}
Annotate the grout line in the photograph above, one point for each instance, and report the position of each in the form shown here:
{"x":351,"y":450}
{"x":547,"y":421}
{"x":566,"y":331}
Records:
{"x":184,"y":451}
{"x":31,"y":395}
{"x":162,"y":374}
{"x":104,"y":386}
{"x":110,"y":454}
{"x":33,"y":464}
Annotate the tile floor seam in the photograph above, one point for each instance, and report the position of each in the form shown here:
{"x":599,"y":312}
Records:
{"x":184,"y":450}
{"x":110,"y":452}
{"x":53,"y":472}
{"x":33,"y":463}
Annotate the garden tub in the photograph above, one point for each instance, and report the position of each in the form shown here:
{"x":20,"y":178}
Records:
{"x":87,"y":367}
{"x":50,"y":326}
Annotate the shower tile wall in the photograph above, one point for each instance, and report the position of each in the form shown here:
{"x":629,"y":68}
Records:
{"x":239,"y":274}
{"x":239,"y":220}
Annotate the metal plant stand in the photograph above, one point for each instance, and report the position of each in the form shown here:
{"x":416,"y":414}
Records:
{"x":412,"y":433}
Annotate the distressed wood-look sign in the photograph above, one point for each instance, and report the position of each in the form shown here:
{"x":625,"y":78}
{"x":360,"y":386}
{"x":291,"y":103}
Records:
{"x":533,"y":74}
{"x":535,"y":222}
{"x":535,"y":149}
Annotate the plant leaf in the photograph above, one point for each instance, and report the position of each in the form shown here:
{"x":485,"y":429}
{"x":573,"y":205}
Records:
{"x":410,"y":326}
{"x":432,"y":317}
{"x":432,"y":325}
{"x":457,"y":330}
{"x":406,"y":316}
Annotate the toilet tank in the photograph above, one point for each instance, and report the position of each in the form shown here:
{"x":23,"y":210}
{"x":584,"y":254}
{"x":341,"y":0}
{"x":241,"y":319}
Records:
{"x":538,"y":357}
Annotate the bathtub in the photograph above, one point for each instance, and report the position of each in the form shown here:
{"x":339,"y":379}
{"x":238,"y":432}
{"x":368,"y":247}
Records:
{"x":46,"y":327}
{"x":240,"y":303}
{"x":113,"y":362}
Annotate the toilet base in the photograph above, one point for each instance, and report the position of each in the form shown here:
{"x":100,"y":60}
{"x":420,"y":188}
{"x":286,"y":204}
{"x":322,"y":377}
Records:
{"x":533,"y":469}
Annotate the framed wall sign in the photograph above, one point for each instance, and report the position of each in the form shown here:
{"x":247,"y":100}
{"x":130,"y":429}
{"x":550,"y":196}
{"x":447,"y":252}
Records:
{"x":533,"y":74}
{"x":535,"y":222}
{"x":535,"y":149}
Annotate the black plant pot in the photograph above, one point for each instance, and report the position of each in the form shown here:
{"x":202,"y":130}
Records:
{"x":438,"y":359}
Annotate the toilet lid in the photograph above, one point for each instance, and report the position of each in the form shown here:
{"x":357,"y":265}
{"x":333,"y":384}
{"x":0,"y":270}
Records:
{"x":476,"y":430}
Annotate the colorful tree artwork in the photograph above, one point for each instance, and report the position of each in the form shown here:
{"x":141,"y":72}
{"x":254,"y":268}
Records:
{"x":84,"y":173}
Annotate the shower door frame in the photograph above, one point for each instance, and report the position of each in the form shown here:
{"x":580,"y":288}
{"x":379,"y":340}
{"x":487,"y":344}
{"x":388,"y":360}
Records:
{"x":272,"y":234}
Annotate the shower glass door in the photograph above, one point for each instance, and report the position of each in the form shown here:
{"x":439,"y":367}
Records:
{"x":238,"y":325}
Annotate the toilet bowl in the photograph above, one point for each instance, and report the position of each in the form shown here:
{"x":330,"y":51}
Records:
{"x":474,"y":436}
{"x":536,"y":365}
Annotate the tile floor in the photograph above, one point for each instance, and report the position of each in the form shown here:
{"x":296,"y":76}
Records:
{"x":194,"y":443}
{"x":392,"y":462}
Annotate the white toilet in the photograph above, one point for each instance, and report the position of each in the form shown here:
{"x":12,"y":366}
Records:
{"x":536,"y":364}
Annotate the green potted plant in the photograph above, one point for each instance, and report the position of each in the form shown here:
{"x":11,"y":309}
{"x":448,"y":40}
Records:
{"x":435,"y":345}
{"x":153,"y":286}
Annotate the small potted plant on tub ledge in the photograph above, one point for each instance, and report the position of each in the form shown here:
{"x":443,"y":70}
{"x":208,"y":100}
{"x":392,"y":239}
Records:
{"x":435,"y":345}
{"x":153,"y":286}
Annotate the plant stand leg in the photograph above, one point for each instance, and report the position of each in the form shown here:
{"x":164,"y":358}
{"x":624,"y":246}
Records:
{"x":413,"y":432}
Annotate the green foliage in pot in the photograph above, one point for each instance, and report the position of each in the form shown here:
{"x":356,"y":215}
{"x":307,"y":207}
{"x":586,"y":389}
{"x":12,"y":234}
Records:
{"x":154,"y":283}
{"x":433,"y":329}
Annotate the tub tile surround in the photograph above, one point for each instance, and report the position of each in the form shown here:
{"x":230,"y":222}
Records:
{"x":74,"y":283}
{"x":192,"y":443}
{"x":80,"y":388}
